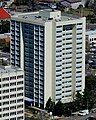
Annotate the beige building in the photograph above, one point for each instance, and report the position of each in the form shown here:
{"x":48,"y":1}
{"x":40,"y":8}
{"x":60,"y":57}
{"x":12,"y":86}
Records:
{"x":52,"y":54}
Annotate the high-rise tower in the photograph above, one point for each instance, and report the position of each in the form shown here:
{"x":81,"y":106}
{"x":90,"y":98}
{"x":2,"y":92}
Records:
{"x":50,"y":48}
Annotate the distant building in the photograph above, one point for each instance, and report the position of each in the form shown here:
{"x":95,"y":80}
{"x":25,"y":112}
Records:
{"x":5,"y":38}
{"x":11,"y":93}
{"x":91,"y":39}
{"x":66,"y":5}
{"x":76,"y":3}
{"x":50,"y":48}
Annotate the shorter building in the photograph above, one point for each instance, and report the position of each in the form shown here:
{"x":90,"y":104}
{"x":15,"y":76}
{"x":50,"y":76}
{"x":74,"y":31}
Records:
{"x":91,"y":39}
{"x":11,"y":93}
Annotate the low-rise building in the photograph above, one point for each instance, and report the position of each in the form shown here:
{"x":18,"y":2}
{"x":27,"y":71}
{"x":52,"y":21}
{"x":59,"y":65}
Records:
{"x":11,"y":93}
{"x":91,"y":39}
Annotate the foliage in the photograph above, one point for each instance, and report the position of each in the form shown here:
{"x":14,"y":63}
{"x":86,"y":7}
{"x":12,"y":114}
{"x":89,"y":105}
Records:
{"x":49,"y":105}
{"x":4,"y":26}
{"x":58,"y":109}
{"x":86,"y":100}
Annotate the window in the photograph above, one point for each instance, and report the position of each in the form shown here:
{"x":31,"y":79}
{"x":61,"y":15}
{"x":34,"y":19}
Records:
{"x":6,"y":103}
{"x":68,"y":38}
{"x":67,"y":86}
{"x":79,"y":28}
{"x":58,"y":94}
{"x":79,"y":38}
{"x":13,"y":89}
{"x":78,"y":71}
{"x":20,"y":88}
{"x":13,"y":77}
{"x":69,"y":67}
{"x":79,"y":23}
{"x":6,"y":114}
{"x":79,"y":43}
{"x":68,"y":43}
{"x":13,"y":95}
{"x":19,"y":83}
{"x":58,"y":90}
{"x":58,"y":26}
{"x":20,"y":76}
{"x":58,"y":75}
{"x":12,"y":119}
{"x":78,"y":86}
{"x":6,"y":108}
{"x":5,"y":79}
{"x":12,"y":113}
{"x":5,"y":85}
{"x":58,"y":36}
{"x":5,"y":91}
{"x":20,"y":106}
{"x":13,"y":107}
{"x":58,"y":31}
{"x":79,"y":67}
{"x":67,"y":95}
{"x":68,"y":27}
{"x":12,"y":84}
{"x":19,"y":100}
{"x":78,"y":76}
{"x":20,"y":94}
{"x":79,"y":33}
{"x":68,"y":76}
{"x":20,"y":118}
{"x":20,"y":112}
{"x":6,"y":97}
{"x":13,"y":101}
{"x":79,"y":48}
{"x":78,"y":57}
{"x":68,"y":91}
{"x":68,"y":48}
{"x":78,"y":81}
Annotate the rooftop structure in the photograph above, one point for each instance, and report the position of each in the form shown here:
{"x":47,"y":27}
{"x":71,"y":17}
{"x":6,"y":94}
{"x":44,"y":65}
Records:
{"x":4,"y":14}
{"x":43,"y":16}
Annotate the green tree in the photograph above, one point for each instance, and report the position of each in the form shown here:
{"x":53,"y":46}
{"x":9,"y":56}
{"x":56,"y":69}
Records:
{"x":58,"y":109}
{"x":50,"y":105}
{"x":4,"y":26}
{"x":78,"y":101}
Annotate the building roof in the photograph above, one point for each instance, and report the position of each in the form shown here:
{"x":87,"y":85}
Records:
{"x":37,"y":17}
{"x":4,"y":14}
{"x":9,"y":68}
{"x":73,"y":1}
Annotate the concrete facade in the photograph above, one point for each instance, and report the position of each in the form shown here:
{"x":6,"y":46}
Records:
{"x":11,"y":93}
{"x":52,"y":51}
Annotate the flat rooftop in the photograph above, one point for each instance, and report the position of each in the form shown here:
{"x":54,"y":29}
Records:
{"x":6,"y":69}
{"x":44,"y":16}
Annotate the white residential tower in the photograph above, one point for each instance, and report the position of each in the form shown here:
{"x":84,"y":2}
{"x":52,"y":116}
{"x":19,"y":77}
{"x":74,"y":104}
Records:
{"x":50,"y":48}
